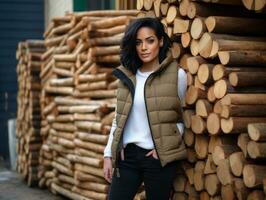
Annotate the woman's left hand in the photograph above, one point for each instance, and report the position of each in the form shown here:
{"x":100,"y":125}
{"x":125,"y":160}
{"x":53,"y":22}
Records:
{"x":153,"y":153}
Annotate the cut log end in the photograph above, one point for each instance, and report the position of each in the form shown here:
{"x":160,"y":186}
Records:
{"x":197,"y":28}
{"x":220,"y":88}
{"x":249,"y":176}
{"x":210,"y":23}
{"x":198,"y":125}
{"x":256,"y":131}
{"x":227,"y":125}
{"x":218,"y":72}
{"x":213,"y":124}
{"x":233,"y":79}
{"x":224,"y":57}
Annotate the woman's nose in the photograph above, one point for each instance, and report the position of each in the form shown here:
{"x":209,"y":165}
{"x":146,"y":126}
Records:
{"x":144,"y":46}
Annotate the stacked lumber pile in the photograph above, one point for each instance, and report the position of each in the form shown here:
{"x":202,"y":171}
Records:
{"x":28,"y":114}
{"x":224,"y":53}
{"x":250,"y":159}
{"x":78,"y":100}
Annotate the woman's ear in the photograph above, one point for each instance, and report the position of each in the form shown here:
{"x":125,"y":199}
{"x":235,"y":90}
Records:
{"x":161,"y":42}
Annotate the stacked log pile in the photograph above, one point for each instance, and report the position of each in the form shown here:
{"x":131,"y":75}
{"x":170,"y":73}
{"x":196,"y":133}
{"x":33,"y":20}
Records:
{"x":224,"y":54}
{"x":78,"y":100}
{"x":28,"y":114}
{"x":222,"y":47}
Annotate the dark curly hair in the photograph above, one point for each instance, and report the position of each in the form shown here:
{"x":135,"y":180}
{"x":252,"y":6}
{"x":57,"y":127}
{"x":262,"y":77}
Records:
{"x":128,"y":54}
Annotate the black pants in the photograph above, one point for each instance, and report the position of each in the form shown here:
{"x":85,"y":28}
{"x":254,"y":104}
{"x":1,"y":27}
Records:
{"x":135,"y":169}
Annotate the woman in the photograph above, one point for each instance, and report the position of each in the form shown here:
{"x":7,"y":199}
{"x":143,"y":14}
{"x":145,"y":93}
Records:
{"x":145,"y":142}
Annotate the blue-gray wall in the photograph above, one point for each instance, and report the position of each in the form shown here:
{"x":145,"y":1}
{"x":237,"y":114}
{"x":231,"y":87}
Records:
{"x":19,"y":20}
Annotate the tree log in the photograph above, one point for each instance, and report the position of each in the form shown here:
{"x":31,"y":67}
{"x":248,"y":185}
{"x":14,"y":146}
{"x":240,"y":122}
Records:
{"x":242,"y":79}
{"x":246,"y":99}
{"x":90,"y":146}
{"x":237,"y":161}
{"x":198,"y":124}
{"x":243,"y":111}
{"x":187,"y":117}
{"x":257,"y":131}
{"x":223,"y":172}
{"x":256,"y":150}
{"x":67,"y":193}
{"x":181,"y":26}
{"x":185,"y":39}
{"x":253,"y":175}
{"x":199,"y":176}
{"x":212,"y":184}
{"x":197,"y":28}
{"x":203,"y":108}
{"x":210,"y":167}
{"x":223,"y":152}
{"x":189,"y":137}
{"x":227,"y":192}
{"x":201,"y":146}
{"x":235,"y":25}
{"x":213,"y":124}
{"x":242,"y":143}
{"x":205,"y":73}
{"x":239,"y":124}
{"x":193,"y":63}
{"x":193,"y":94}
{"x":95,"y":138}
{"x":257,"y":58}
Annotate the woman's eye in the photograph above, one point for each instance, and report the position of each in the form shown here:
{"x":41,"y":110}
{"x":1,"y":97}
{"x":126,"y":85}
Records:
{"x":150,"y":41}
{"x":138,"y":43}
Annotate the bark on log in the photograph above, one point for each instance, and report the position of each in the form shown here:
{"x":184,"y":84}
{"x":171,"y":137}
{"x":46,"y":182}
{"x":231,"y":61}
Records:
{"x":246,"y":99}
{"x":243,"y":111}
{"x":238,"y":124}
{"x":257,"y":58}
{"x":235,"y":25}
{"x":242,"y":79}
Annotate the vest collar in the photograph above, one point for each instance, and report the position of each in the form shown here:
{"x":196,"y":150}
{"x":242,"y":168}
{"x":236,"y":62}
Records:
{"x":163,"y":65}
{"x":128,"y":78}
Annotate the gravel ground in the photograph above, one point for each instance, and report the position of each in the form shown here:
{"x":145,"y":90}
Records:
{"x":12,"y":187}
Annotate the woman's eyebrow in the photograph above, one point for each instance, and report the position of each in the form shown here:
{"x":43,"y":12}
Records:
{"x":146,"y":38}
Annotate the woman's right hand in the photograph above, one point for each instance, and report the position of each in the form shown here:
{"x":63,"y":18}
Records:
{"x":107,"y":169}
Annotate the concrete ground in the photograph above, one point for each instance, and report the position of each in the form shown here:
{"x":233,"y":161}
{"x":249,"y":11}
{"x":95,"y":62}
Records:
{"x":12,"y":187}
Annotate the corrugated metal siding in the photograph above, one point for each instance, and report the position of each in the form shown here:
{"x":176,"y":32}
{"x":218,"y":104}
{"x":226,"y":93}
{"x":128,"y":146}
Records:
{"x":19,"y":20}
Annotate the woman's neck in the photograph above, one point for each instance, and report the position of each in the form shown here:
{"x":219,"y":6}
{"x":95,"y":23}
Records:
{"x":150,"y":66}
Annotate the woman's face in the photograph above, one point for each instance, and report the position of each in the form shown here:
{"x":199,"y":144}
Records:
{"x":147,"y":45}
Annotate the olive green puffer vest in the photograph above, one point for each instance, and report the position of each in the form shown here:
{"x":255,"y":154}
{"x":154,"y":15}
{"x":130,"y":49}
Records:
{"x":162,"y":106}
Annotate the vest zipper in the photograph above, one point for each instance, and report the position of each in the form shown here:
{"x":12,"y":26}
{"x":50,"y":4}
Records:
{"x":117,"y":150}
{"x":149,"y":118}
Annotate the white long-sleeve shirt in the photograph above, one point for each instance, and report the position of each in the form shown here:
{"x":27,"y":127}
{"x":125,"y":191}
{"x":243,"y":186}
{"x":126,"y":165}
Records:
{"x":137,"y":128}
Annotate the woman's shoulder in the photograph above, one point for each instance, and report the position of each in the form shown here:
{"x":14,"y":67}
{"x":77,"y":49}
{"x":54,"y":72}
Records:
{"x":179,"y":68}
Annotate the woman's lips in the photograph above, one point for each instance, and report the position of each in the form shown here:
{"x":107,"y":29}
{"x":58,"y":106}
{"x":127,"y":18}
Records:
{"x":145,"y":55}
